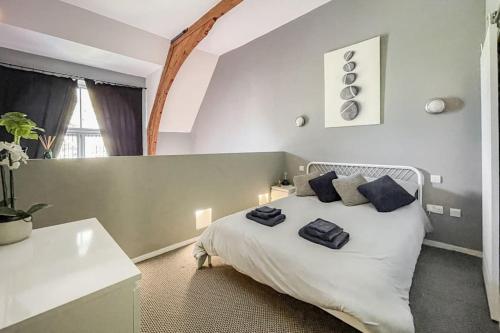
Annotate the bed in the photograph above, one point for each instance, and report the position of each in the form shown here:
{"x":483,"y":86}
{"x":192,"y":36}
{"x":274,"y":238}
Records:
{"x":366,"y":283}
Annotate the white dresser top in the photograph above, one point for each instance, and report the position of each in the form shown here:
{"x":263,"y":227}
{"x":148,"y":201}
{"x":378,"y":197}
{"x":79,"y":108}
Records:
{"x":57,"y":265}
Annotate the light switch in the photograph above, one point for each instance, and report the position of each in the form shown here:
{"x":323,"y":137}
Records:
{"x":436,"y":179}
{"x":455,"y":212}
{"x":302,"y":168}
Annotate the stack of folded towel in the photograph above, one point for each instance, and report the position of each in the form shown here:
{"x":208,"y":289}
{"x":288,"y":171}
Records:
{"x":325,"y":233}
{"x":266,"y":216}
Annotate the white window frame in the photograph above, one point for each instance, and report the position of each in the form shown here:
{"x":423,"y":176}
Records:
{"x":81,"y":133}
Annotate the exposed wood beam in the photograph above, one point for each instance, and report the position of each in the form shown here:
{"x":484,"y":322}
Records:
{"x":180,"y":48}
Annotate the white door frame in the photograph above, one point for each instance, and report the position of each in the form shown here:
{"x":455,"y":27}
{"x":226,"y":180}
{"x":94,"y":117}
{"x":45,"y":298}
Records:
{"x":490,"y":169}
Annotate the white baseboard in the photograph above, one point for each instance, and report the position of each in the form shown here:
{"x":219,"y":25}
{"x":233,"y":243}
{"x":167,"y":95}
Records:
{"x":164,"y":250}
{"x":451,"y":247}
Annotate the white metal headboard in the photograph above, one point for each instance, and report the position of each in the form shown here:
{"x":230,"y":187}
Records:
{"x":406,"y":173}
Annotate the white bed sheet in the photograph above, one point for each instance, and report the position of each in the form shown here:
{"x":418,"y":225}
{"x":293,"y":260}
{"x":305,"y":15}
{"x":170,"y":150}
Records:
{"x":369,"y":278}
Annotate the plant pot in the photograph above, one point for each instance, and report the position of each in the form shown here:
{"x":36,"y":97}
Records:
{"x":15,"y":231}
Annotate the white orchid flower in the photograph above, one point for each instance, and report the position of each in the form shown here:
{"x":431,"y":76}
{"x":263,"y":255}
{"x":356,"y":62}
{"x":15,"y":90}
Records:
{"x":16,"y":154}
{"x":14,"y":166}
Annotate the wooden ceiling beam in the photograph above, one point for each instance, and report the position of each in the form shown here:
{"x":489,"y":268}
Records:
{"x":180,"y":48}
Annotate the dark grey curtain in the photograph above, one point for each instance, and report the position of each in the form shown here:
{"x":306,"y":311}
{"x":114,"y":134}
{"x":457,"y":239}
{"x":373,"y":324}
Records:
{"x":119,"y":114}
{"x":47,"y":100}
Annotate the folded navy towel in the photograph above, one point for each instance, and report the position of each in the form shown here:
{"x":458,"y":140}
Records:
{"x":268,"y":222}
{"x":265,"y":209}
{"x":273,"y":213}
{"x":337,"y":243}
{"x":323,"y":229}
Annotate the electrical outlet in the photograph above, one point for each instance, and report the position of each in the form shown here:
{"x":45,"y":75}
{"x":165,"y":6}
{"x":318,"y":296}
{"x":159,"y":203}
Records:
{"x":455,"y":212}
{"x":436,"y":179}
{"x":302,"y":168}
{"x":436,"y":209}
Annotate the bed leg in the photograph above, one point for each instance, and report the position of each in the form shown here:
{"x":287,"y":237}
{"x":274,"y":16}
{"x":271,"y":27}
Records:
{"x":201,"y":260}
{"x":209,"y":261}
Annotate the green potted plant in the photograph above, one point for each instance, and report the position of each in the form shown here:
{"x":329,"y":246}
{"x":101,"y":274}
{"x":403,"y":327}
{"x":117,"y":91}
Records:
{"x":20,"y":126}
{"x":15,"y":224}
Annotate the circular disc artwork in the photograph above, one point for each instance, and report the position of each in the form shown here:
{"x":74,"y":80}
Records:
{"x":349,"y":110}
{"x":349,"y":78}
{"x":349,"y":92}
{"x":349,"y":67}
{"x":348,"y":55}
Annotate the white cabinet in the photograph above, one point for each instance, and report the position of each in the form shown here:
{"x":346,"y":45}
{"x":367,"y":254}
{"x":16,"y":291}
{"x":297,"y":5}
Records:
{"x":71,"y":277}
{"x":490,"y":169}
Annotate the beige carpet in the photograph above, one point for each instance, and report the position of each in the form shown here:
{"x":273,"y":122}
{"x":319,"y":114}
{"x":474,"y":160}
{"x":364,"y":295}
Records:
{"x":175,"y":297}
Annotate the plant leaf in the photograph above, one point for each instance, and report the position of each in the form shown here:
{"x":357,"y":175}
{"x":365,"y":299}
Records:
{"x":7,"y":211}
{"x":36,"y":208}
{"x":20,"y":126}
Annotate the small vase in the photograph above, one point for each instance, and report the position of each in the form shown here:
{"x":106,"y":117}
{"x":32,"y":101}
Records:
{"x":47,"y":155}
{"x":15,"y":231}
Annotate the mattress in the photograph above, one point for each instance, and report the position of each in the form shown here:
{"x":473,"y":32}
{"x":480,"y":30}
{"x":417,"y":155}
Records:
{"x":368,"y":279}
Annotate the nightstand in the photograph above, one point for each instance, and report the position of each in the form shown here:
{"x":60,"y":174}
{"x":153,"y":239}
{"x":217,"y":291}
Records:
{"x":279,"y":192}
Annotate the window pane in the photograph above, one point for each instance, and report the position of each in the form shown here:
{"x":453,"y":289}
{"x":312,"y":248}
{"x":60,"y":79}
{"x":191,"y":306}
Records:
{"x":69,"y":147}
{"x":88,"y":116}
{"x":94,"y":146}
{"x":75,"y":118}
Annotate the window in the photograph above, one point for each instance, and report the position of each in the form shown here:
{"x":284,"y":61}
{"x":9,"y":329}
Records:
{"x":83,"y":138}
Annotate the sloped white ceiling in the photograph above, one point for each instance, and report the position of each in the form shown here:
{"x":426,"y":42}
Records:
{"x":57,"y":30}
{"x":166,"y":18}
{"x":33,"y":42}
{"x":246,"y":22}
{"x":252,"y":19}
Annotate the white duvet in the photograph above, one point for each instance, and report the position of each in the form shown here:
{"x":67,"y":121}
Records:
{"x":369,"y":278}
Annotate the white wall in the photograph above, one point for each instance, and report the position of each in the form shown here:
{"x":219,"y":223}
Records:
{"x":186,"y":94}
{"x":491,"y":6}
{"x":174,"y":144}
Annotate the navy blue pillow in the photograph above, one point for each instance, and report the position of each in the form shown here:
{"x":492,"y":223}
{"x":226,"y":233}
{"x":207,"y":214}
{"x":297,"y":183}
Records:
{"x":323,"y":187}
{"x":385,"y":194}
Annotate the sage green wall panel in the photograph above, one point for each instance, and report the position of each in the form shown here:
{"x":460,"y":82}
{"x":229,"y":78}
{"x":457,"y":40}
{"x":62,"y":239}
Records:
{"x":147,"y":203}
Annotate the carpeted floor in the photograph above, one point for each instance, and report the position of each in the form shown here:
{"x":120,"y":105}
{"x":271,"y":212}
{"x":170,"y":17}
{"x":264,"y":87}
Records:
{"x":447,"y":296}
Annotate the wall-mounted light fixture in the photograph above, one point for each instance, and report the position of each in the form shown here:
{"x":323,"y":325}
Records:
{"x":263,"y":199}
{"x":436,"y":105}
{"x":203,"y":218}
{"x":300,"y":121}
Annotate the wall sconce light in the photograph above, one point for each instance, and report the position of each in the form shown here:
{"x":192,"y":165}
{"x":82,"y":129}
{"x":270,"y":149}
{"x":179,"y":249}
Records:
{"x":434,"y":106}
{"x":203,"y":218}
{"x":300,"y":121}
